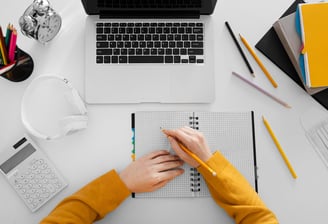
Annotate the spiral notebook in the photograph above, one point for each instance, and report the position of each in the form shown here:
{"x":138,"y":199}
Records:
{"x":232,"y":133}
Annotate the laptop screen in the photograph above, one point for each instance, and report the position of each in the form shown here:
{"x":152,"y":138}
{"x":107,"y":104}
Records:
{"x":97,"y":7}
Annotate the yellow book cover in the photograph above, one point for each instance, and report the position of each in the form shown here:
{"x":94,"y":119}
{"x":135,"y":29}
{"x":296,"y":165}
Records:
{"x":314,"y":33}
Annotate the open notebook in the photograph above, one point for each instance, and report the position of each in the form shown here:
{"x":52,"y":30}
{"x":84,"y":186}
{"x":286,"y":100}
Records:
{"x":232,"y":133}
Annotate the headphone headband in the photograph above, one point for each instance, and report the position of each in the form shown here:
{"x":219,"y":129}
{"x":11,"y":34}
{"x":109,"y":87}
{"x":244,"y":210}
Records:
{"x":72,"y":123}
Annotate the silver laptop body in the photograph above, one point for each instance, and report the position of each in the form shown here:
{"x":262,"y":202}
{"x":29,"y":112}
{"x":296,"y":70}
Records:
{"x":148,"y":82}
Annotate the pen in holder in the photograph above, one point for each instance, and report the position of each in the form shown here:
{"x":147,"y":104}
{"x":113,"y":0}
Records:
{"x":19,"y":69}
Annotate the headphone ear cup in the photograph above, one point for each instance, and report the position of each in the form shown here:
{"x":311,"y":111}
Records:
{"x":76,"y":100}
{"x":72,"y":124}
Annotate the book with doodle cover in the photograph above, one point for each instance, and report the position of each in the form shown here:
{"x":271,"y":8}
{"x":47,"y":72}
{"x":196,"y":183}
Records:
{"x":232,"y":133}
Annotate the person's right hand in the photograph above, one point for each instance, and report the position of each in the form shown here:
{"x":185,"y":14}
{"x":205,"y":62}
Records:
{"x":152,"y":171}
{"x":193,"y":140}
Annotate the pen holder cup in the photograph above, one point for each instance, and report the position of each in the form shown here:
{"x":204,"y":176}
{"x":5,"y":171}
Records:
{"x":20,"y":69}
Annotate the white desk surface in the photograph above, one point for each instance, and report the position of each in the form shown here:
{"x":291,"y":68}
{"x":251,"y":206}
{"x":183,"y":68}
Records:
{"x":106,"y":143}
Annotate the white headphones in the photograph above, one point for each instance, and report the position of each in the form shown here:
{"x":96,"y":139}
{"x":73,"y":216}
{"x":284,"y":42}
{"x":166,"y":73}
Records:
{"x":67,"y":125}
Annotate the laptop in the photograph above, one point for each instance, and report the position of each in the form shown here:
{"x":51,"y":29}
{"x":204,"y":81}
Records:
{"x":149,"y":51}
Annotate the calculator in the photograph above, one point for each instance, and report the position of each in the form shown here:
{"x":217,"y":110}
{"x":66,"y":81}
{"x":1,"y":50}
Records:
{"x":31,"y":174}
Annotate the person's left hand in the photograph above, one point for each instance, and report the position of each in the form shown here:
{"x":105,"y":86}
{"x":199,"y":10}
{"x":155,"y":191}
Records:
{"x":151,"y":171}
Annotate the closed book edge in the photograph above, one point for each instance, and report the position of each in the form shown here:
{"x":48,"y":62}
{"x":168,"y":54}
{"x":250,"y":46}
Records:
{"x":310,"y":24}
{"x":285,"y":28}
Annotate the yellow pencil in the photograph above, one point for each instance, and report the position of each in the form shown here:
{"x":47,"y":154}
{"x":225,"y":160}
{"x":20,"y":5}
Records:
{"x":186,"y":150}
{"x":282,"y":153}
{"x":257,"y":59}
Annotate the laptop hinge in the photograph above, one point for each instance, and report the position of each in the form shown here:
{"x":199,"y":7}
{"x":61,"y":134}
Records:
{"x":108,"y":14}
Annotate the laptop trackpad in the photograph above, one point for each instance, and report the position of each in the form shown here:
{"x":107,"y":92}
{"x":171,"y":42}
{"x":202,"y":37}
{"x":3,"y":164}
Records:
{"x":146,"y":85}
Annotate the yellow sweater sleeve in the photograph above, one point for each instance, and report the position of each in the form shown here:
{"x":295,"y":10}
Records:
{"x":234,"y":194}
{"x":91,"y":203}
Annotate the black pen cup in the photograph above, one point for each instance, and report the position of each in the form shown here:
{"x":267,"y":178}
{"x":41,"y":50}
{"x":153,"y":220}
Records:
{"x":20,"y":69}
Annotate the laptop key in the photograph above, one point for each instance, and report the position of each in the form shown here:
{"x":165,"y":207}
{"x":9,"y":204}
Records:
{"x":101,"y":37}
{"x":114,"y":59}
{"x":146,"y":59}
{"x":123,"y":59}
{"x":198,"y":30}
{"x":177,"y":59}
{"x":100,"y":59}
{"x":100,"y":30}
{"x":192,"y":59}
{"x":102,"y":44}
{"x":168,"y":59}
{"x":106,"y":59}
{"x":195,"y":51}
{"x":197,"y":44}
{"x":104,"y":51}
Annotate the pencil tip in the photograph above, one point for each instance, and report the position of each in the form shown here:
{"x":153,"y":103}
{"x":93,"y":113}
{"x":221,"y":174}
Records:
{"x":253,"y":74}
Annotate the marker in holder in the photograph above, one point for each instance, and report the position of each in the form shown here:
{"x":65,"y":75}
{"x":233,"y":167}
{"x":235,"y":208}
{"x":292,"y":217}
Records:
{"x":19,"y":69}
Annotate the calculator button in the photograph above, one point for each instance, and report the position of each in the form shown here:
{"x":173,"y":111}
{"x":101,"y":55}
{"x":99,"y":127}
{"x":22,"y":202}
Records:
{"x":36,"y":182}
{"x":36,"y":171}
{"x":31,"y":191}
{"x":26,"y":196}
{"x":34,"y":166}
{"x":46,"y":195}
{"x":44,"y":181}
{"x":46,"y":171}
{"x":25,"y":181}
{"x":50,"y":188}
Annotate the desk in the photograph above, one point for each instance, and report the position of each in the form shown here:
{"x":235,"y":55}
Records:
{"x":105,"y":144}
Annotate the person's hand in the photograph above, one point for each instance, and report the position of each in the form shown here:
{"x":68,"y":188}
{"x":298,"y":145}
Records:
{"x":193,"y":140}
{"x":152,"y":171}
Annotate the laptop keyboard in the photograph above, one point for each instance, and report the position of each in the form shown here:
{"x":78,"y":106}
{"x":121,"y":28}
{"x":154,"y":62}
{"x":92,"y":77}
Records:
{"x":167,"y":43}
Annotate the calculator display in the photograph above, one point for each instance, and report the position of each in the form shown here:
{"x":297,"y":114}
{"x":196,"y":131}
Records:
{"x":16,"y":159}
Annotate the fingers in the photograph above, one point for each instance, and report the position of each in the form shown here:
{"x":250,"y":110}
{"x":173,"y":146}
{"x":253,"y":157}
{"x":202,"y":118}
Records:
{"x":155,"y":154}
{"x":176,"y":148}
{"x":166,"y":177}
{"x":165,"y":158}
{"x":167,"y":162}
{"x":184,"y":135}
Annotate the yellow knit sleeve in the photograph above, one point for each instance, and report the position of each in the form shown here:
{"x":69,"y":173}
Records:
{"x":92,"y":202}
{"x":234,"y":194}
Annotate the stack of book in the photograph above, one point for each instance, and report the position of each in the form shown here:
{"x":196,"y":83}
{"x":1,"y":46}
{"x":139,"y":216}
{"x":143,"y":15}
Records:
{"x":297,"y":43}
{"x":303,"y":35}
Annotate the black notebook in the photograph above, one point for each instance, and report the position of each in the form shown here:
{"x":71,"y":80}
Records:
{"x":273,"y":49}
{"x":232,"y":133}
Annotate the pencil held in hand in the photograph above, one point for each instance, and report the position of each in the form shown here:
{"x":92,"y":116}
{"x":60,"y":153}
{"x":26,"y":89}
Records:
{"x":191,"y":154}
{"x":196,"y":158}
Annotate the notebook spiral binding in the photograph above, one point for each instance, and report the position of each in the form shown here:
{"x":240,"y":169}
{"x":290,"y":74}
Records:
{"x":195,"y":175}
{"x":195,"y":180}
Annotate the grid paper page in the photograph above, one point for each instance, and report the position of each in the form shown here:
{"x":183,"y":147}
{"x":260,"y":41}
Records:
{"x":229,"y":132}
{"x":149,"y":137}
